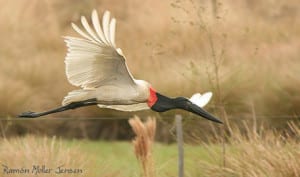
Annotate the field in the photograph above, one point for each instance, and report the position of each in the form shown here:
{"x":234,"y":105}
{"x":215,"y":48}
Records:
{"x":243,"y":155}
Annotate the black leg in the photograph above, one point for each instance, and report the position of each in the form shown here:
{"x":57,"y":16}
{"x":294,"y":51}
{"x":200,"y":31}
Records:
{"x":60,"y":109}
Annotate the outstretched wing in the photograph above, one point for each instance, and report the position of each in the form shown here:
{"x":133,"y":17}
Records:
{"x":94,"y":60}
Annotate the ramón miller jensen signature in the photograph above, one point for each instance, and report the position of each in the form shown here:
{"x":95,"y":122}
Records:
{"x":40,"y":169}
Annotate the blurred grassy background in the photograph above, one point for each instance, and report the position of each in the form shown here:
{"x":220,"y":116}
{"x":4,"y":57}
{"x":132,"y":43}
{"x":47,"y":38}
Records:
{"x":246,"y":52}
{"x":248,"y":153}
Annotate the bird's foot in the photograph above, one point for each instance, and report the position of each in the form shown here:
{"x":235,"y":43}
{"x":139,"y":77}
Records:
{"x":28,"y":114}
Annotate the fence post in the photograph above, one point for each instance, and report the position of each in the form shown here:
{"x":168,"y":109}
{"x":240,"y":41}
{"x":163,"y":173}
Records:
{"x":178,"y":121}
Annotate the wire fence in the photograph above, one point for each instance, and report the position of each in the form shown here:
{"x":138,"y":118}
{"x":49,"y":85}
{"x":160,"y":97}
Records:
{"x":128,"y":117}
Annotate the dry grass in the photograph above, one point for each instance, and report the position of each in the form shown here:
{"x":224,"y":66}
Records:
{"x":143,"y":143}
{"x":256,"y":154}
{"x":27,"y":152}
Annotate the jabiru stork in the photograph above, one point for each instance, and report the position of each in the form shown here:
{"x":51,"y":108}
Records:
{"x":94,"y":63}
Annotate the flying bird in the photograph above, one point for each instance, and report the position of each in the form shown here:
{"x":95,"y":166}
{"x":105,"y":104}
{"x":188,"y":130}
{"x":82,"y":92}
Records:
{"x":94,"y":63}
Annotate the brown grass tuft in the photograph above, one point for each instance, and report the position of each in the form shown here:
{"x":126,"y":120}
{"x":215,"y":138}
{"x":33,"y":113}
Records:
{"x":251,"y":154}
{"x":143,"y":143}
{"x":29,"y":151}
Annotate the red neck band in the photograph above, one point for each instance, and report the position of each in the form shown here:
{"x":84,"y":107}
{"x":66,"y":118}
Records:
{"x":152,"y":97}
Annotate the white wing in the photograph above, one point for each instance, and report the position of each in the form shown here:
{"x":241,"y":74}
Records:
{"x":94,"y":60}
{"x":201,"y":100}
{"x":133,"y":107}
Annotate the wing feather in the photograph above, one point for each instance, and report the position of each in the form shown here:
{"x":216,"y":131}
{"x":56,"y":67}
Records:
{"x":112,"y":32}
{"x":94,"y":60}
{"x":97,"y":26}
{"x":89,"y":30}
{"x":78,"y":30}
{"x":105,"y":24}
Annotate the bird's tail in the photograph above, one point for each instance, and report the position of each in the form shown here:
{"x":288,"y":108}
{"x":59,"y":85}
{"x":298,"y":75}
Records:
{"x":77,"y":95}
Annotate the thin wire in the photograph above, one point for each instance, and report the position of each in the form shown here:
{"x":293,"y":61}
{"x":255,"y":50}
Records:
{"x":124,"y":118}
{"x":265,"y":117}
{"x":65,"y":118}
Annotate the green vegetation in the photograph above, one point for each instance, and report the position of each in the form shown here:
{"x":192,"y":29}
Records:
{"x":244,"y":154}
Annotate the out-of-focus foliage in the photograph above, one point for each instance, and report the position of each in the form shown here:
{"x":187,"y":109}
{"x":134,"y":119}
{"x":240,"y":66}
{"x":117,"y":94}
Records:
{"x":246,"y":52}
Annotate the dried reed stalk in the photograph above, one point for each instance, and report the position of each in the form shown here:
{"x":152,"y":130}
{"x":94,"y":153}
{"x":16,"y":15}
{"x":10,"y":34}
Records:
{"x":143,"y":143}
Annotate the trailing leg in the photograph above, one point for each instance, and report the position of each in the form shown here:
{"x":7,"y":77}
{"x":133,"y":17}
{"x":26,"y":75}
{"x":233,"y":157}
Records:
{"x":73,"y":105}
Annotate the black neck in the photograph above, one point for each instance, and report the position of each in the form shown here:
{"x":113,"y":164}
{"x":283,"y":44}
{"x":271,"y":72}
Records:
{"x":165,"y":103}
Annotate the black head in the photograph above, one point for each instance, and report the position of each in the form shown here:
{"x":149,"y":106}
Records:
{"x":164,"y":103}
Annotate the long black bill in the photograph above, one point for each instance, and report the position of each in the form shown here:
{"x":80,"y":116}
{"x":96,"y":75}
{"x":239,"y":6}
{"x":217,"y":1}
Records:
{"x":60,"y":109}
{"x":201,"y":112}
